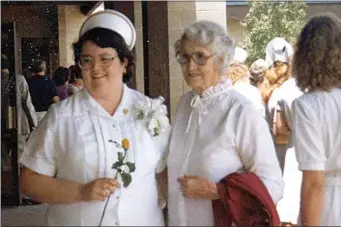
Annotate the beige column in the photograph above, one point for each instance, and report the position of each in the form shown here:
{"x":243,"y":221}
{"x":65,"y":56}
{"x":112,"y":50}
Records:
{"x":181,"y":15}
{"x":139,"y":75}
{"x":70,"y":20}
{"x":213,"y":11}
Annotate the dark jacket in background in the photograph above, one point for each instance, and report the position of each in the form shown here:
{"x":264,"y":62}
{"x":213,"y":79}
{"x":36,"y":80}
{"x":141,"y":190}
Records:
{"x":42,"y":90}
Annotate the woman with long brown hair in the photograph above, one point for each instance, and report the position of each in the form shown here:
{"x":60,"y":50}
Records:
{"x":317,"y":120}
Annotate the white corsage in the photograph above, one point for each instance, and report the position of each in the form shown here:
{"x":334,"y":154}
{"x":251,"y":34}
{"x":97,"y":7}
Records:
{"x":154,"y":113}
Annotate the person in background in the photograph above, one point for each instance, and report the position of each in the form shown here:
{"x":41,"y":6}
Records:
{"x":257,"y":74}
{"x":239,"y":74}
{"x":282,"y":91}
{"x":42,"y":89}
{"x":76,"y":81}
{"x":317,"y":120}
{"x":61,"y":78}
{"x":288,"y":206}
{"x":7,"y":104}
{"x":26,"y":115}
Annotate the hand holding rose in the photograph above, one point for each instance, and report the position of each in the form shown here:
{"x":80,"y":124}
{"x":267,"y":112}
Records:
{"x":99,"y":189}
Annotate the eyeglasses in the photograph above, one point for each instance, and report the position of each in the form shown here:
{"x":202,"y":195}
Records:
{"x":88,"y":62}
{"x":198,"y":57}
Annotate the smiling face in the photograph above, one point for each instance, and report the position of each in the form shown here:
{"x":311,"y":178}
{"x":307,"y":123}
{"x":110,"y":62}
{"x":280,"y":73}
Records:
{"x":102,"y":69}
{"x":199,"y":77}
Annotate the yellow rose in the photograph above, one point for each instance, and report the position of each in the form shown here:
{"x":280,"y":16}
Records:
{"x":125,"y":143}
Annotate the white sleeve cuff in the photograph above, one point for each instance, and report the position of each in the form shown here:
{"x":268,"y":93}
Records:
{"x":38,"y":165}
{"x":319,"y":166}
{"x":161,"y":166}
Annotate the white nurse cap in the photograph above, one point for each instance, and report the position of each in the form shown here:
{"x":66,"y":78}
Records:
{"x":278,"y":49}
{"x":112,"y":20}
{"x":240,"y":55}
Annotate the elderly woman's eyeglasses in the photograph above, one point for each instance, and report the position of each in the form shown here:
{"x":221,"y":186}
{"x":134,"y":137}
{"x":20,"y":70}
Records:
{"x":198,"y":57}
{"x":88,"y":62}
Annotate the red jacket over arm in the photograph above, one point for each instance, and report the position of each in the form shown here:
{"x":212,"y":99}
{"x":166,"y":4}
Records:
{"x":244,"y":200}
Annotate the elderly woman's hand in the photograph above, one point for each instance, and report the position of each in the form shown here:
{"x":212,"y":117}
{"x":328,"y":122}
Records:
{"x":99,"y":189}
{"x":196,"y":187}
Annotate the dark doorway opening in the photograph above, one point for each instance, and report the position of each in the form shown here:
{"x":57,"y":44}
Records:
{"x":33,"y":49}
{"x":10,"y":195}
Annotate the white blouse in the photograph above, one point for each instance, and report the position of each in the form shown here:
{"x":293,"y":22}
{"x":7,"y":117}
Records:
{"x":71,"y":143}
{"x":317,"y":139}
{"x":252,"y":94}
{"x":215,"y":134}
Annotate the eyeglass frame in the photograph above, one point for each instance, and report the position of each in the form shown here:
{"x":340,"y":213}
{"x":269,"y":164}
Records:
{"x":112,"y":58}
{"x":190,"y":56}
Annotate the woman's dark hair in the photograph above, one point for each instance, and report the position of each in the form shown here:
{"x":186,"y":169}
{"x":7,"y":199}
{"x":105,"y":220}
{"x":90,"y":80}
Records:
{"x":103,"y":38}
{"x":317,"y":59}
{"x":61,"y":76}
{"x":38,"y":66}
{"x":75,"y":73}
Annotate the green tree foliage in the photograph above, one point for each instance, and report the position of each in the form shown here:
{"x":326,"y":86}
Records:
{"x":269,"y":19}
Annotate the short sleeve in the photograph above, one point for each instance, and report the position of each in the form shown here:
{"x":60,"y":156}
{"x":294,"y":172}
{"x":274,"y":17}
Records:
{"x":41,"y":148}
{"x":163,"y":147}
{"x":307,"y":137}
{"x":257,"y":152}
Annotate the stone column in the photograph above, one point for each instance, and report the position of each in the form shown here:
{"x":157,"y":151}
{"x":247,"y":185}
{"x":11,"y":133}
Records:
{"x":139,"y":61}
{"x":70,"y":19}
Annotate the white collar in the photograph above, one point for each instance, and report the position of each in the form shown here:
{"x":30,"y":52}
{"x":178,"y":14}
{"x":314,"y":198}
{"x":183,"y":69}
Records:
{"x":211,"y":92}
{"x":89,"y":103}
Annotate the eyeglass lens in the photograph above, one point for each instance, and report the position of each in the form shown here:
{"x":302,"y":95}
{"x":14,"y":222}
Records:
{"x":87,"y":62}
{"x":198,"y":58}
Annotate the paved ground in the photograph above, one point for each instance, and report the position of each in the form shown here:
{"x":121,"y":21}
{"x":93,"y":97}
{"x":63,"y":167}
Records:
{"x":33,"y":215}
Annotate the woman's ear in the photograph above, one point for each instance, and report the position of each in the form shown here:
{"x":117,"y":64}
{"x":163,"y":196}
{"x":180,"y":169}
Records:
{"x":124,"y":66}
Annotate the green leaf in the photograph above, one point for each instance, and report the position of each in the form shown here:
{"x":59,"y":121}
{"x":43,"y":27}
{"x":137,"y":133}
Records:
{"x":126,"y":178}
{"x":156,"y":132}
{"x":117,"y":164}
{"x":269,"y":19}
{"x":139,"y":115}
{"x":131,"y":166}
{"x":120,"y":156}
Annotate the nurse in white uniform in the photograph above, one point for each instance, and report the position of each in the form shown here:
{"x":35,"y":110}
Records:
{"x":278,"y":110}
{"x":317,"y":120}
{"x":70,"y":155}
{"x":217,"y":131}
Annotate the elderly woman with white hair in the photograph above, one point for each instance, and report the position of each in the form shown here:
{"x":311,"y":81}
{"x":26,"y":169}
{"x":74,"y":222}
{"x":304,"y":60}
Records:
{"x":216,"y":130}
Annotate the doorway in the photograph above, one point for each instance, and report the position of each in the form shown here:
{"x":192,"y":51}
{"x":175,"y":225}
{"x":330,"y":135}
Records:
{"x":10,"y":195}
{"x":33,"y":49}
